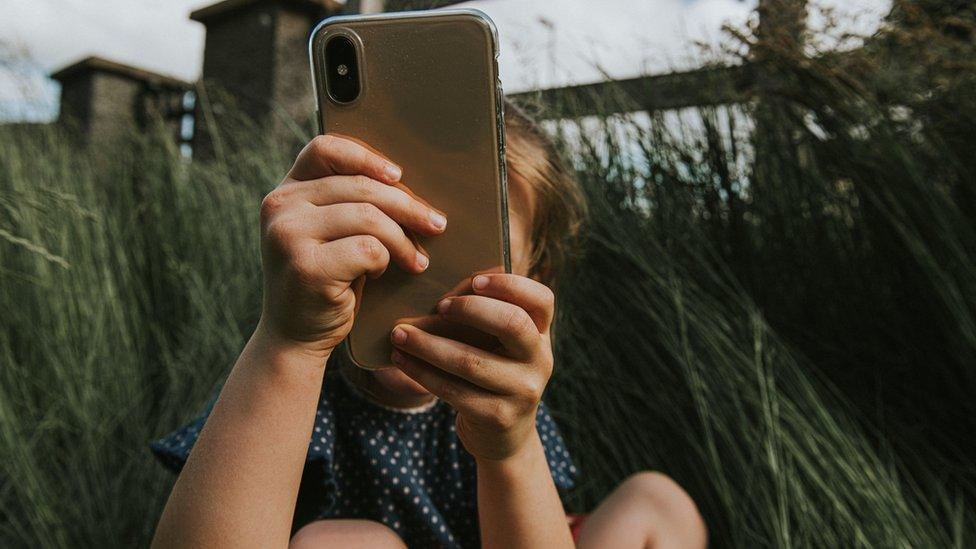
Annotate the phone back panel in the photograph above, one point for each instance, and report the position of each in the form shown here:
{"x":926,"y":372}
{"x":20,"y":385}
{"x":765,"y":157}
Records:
{"x":430,"y":101}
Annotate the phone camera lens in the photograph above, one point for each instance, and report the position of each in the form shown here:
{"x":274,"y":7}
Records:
{"x":342,"y":69}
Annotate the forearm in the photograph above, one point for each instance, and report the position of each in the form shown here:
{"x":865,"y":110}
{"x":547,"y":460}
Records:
{"x":518,"y":505}
{"x":239,"y":486}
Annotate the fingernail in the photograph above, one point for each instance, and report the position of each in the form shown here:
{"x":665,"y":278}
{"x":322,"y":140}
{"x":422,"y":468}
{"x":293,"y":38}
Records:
{"x":399,"y":336}
{"x":393,"y":172}
{"x":443,"y":305}
{"x":397,"y":357}
{"x":480,"y":282}
{"x":423,"y":261}
{"x":438,"y":220}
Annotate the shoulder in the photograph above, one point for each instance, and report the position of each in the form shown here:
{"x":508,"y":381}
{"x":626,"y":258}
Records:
{"x":173,"y":449}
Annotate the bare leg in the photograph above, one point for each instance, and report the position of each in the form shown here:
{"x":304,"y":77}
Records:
{"x":648,"y":510}
{"x":348,"y":534}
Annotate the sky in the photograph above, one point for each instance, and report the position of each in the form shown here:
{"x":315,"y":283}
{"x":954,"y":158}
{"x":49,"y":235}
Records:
{"x":544,"y":43}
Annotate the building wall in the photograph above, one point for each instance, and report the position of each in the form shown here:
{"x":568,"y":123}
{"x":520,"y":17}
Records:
{"x":238,"y":75}
{"x":293,"y":100}
{"x":76,"y":97}
{"x":99,"y":106}
{"x":114,"y":105}
{"x":403,"y":5}
{"x":162,"y":105}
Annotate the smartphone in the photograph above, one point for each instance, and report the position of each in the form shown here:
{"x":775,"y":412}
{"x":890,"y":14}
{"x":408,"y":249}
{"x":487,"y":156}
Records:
{"x":422,"y":89}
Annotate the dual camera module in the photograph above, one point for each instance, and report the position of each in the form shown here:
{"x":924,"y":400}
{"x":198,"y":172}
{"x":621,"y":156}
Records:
{"x":341,"y":69}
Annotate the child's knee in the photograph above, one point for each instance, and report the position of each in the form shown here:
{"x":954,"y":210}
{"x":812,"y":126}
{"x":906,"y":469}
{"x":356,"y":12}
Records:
{"x":345,"y":533}
{"x":657,"y":488}
{"x":665,"y":498}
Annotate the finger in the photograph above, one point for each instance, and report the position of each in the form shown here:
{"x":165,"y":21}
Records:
{"x":349,"y":258}
{"x":511,"y":324}
{"x":332,"y":154}
{"x":438,"y":325}
{"x":348,"y":219}
{"x":461,"y":360}
{"x":464,"y":286}
{"x":533,"y":296}
{"x":395,"y":202}
{"x":457,"y":392}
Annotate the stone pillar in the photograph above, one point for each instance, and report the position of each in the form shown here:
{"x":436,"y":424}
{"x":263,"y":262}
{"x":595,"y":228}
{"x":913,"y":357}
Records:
{"x":256,"y":70}
{"x":373,"y":6}
{"x":101,"y":100}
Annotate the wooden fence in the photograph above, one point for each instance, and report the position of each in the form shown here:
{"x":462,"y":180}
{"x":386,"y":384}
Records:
{"x":781,"y":25}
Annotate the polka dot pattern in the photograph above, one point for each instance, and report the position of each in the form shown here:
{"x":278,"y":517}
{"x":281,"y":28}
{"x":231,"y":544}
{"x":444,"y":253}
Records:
{"x":407,"y":470}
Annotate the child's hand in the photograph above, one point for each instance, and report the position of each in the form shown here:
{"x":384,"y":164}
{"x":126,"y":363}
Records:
{"x":336,"y":217}
{"x":496,"y":394}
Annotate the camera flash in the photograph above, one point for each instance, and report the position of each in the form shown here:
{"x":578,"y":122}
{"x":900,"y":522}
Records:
{"x":342,"y":70}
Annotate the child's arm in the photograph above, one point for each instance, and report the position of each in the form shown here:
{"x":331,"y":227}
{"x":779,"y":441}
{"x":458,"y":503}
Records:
{"x":497,"y":397}
{"x":334,"y":219}
{"x":518,"y":505}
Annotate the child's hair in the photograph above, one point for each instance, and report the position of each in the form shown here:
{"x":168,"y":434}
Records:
{"x":560,"y":207}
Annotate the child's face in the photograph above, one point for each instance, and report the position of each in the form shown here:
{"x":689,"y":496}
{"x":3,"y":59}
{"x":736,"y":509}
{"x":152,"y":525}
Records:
{"x":521,"y":204}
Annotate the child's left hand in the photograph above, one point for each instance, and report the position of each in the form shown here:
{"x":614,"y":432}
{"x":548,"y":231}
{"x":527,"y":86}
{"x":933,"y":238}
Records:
{"x":496,"y":394}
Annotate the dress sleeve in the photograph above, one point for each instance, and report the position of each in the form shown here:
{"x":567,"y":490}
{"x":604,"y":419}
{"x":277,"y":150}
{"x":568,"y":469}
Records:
{"x":173,"y":449}
{"x":321,"y":447}
{"x":317,"y":494}
{"x":564,"y":472}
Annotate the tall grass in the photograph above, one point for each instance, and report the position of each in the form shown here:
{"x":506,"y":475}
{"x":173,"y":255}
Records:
{"x":781,"y":319}
{"x":126,"y":320}
{"x":846,"y":216}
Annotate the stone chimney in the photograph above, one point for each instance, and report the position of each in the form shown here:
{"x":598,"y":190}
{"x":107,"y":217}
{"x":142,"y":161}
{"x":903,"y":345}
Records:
{"x":373,"y":6}
{"x":255,"y":68}
{"x":102,"y":99}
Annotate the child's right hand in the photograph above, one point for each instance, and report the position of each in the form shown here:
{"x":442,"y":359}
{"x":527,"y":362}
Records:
{"x":335,"y":218}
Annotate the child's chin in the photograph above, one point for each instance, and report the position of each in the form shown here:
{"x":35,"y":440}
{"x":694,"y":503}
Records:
{"x":396,"y":381}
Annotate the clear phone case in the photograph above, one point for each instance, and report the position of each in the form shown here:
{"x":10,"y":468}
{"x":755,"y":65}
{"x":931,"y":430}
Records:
{"x":430,"y":100}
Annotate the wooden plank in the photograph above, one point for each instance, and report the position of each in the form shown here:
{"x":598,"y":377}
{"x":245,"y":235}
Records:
{"x":696,"y":88}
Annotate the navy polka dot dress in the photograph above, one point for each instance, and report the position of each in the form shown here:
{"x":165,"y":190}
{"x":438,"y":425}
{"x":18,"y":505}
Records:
{"x":406,"y":469}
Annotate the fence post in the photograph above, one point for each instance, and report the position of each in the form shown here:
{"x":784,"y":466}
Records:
{"x":777,"y":186}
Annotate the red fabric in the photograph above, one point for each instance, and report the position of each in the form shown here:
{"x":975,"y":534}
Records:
{"x":576,"y":524}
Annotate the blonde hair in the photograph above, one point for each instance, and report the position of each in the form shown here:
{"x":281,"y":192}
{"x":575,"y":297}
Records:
{"x":560,"y":206}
